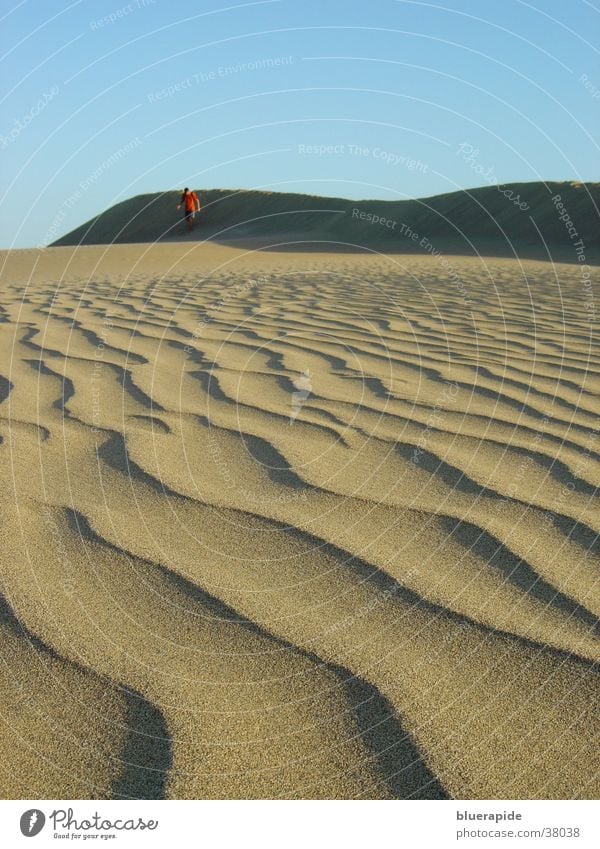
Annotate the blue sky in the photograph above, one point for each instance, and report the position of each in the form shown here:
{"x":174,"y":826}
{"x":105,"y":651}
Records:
{"x":104,"y":99}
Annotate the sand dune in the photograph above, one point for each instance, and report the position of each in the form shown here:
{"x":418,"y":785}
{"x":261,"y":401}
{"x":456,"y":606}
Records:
{"x":297,"y":525}
{"x":518,"y":219}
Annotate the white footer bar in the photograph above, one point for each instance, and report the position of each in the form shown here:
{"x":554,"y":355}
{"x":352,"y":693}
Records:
{"x":285,"y":825}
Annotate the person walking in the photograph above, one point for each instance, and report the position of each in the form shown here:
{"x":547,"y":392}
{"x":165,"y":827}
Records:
{"x":191,"y":205}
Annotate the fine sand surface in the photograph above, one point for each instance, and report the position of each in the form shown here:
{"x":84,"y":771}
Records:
{"x":297,"y":525}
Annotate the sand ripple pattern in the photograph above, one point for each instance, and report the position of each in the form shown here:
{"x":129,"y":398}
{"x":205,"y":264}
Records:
{"x":315,"y":526}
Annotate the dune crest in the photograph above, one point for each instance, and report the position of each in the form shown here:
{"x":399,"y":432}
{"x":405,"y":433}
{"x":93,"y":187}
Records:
{"x":537,"y":220}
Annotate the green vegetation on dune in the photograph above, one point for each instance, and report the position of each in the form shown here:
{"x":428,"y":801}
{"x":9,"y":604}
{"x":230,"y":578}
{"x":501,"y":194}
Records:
{"x":525,"y":214}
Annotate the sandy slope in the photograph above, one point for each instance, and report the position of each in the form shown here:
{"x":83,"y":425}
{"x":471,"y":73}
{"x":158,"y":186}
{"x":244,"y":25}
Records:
{"x":297,"y":525}
{"x":537,"y":220}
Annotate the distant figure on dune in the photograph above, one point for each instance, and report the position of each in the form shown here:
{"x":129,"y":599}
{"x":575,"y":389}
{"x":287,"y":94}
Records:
{"x":191,"y":205}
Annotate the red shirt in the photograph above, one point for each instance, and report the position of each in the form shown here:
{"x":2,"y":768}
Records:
{"x":190,"y":199}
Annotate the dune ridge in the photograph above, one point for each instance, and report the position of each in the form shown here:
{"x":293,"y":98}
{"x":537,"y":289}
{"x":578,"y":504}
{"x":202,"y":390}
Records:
{"x":280,"y":525}
{"x":540,"y":220}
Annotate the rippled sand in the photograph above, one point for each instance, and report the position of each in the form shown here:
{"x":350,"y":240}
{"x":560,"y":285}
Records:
{"x":297,"y":525}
